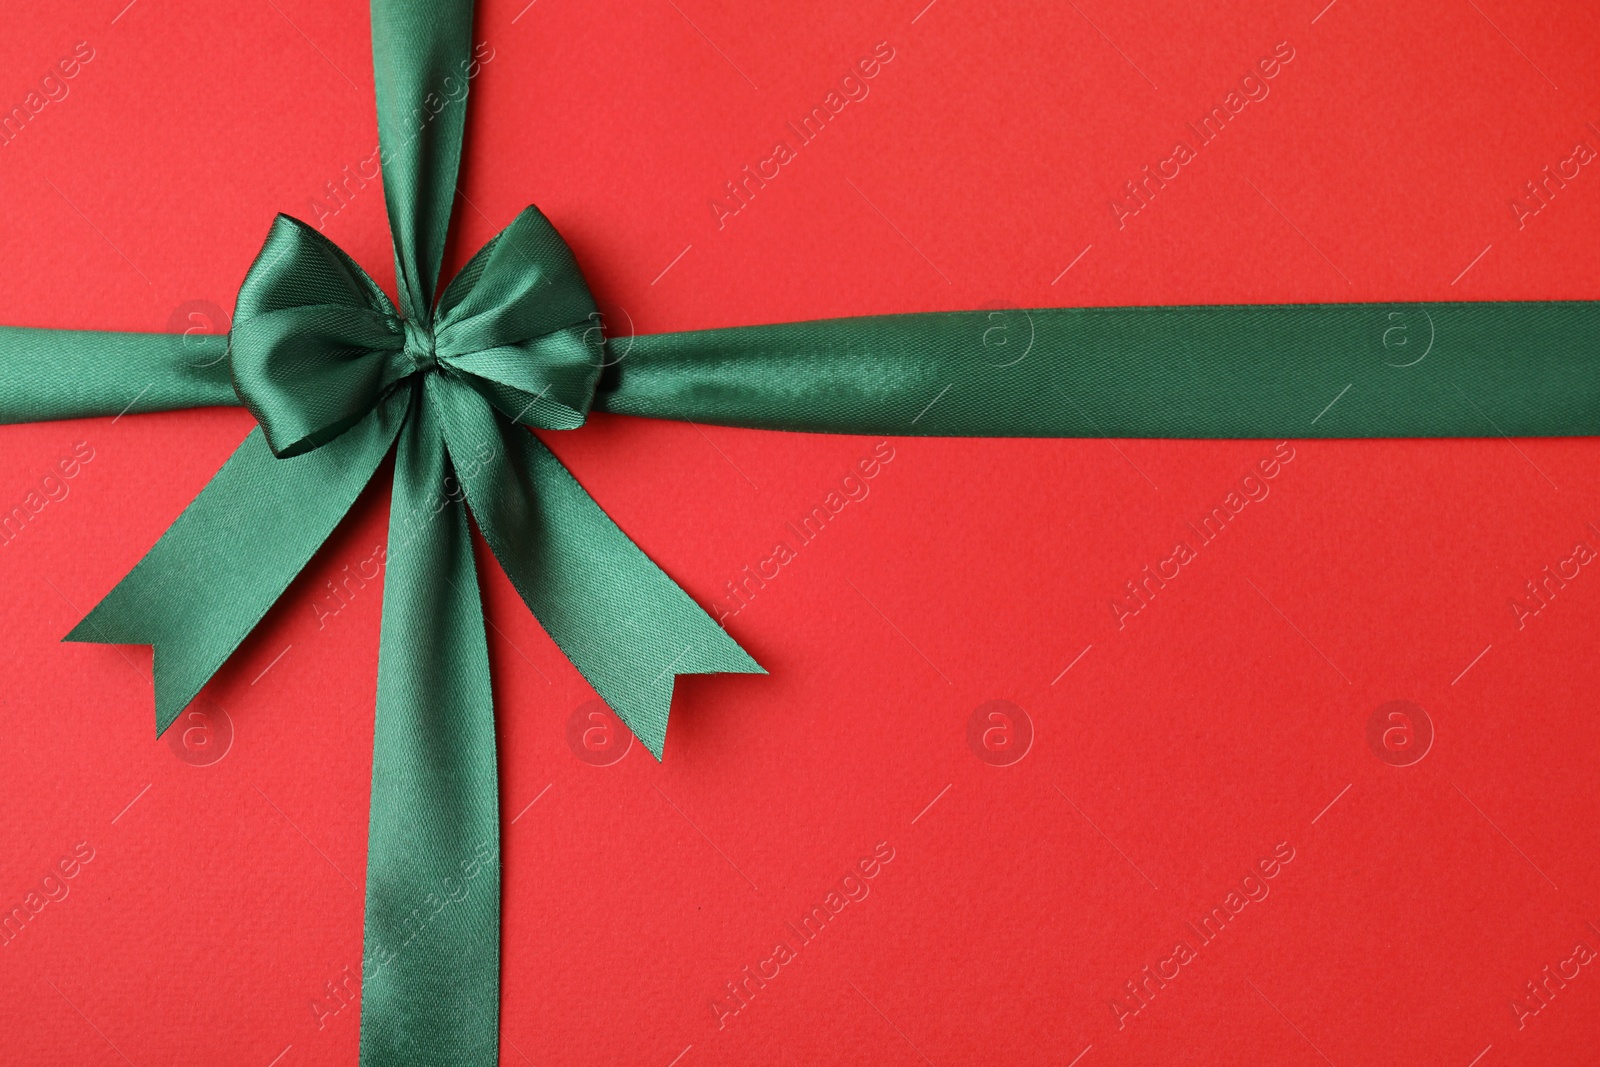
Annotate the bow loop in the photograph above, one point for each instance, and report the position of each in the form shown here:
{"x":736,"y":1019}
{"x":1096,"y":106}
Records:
{"x":315,"y":342}
{"x":519,"y":324}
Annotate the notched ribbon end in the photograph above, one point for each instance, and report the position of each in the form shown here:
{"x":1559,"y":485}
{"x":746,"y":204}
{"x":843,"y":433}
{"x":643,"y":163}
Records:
{"x":171,"y":692}
{"x":646,"y":712}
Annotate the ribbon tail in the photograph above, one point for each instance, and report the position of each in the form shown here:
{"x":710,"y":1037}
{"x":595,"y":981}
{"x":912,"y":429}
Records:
{"x":621,"y":621}
{"x":430,"y":989}
{"x":224,"y":562}
{"x":1522,"y":369}
{"x":82,"y":374}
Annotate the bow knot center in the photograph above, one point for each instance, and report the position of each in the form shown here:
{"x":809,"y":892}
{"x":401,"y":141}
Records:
{"x":419,"y":346}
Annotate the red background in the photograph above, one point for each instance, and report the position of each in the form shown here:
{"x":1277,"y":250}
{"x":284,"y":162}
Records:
{"x":1222,"y":720}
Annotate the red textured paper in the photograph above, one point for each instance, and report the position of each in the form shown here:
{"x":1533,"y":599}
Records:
{"x":1173,"y":750}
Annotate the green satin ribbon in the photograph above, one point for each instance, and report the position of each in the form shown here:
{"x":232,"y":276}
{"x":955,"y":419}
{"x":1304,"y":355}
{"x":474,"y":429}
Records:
{"x":1524,"y":369}
{"x":337,"y":376}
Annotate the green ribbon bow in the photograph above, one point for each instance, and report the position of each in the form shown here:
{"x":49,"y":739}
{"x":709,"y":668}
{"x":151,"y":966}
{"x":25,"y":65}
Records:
{"x":336,"y":376}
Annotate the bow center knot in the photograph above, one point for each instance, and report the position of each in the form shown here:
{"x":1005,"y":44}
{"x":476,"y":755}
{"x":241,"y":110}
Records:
{"x":419,"y":346}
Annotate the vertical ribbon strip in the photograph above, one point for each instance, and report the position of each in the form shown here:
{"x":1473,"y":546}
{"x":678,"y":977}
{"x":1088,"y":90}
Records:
{"x":430,"y":990}
{"x":435,"y":996}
